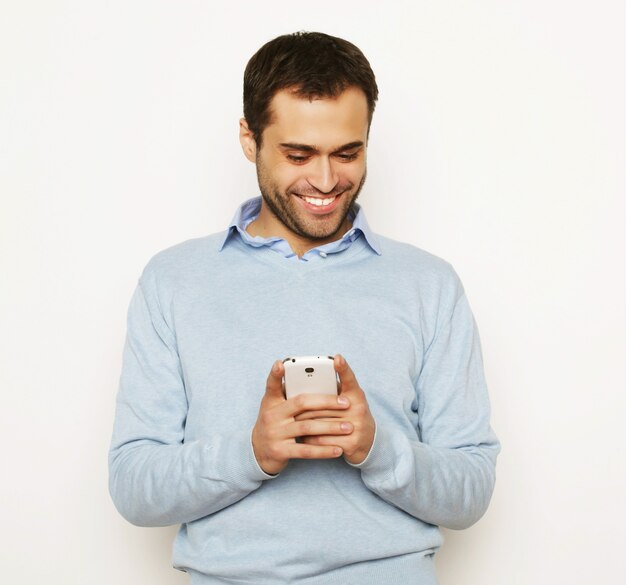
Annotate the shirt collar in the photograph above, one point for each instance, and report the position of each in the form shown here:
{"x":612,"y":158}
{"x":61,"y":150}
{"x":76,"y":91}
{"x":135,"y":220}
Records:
{"x":249,"y":211}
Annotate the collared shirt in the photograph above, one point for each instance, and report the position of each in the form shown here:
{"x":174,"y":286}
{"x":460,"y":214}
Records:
{"x":250,"y":209}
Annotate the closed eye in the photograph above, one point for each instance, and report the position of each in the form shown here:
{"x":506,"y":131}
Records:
{"x":346,"y":157}
{"x":342,"y":156}
{"x":297,"y":159}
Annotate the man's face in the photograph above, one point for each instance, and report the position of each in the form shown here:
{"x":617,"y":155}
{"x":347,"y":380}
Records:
{"x":312,"y":163}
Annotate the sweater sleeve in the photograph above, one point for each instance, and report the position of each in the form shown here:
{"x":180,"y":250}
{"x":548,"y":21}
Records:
{"x":446,"y":474}
{"x":155,"y":477}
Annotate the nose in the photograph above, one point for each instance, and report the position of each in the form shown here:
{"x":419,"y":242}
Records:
{"x":323,"y":175}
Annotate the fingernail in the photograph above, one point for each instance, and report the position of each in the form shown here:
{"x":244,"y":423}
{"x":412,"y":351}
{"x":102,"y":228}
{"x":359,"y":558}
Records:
{"x":346,"y":426}
{"x":343,"y":401}
{"x":337,"y":451}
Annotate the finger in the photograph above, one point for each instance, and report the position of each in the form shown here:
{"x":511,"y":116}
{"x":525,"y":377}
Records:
{"x":315,"y":427}
{"x":312,"y":402}
{"x":313,"y":440}
{"x":298,"y":429}
{"x":304,"y":451}
{"x":321,"y":414}
{"x":347,"y":379}
{"x":274,"y":384}
{"x":324,"y":440}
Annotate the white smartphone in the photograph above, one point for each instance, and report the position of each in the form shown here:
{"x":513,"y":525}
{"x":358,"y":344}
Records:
{"x":311,"y":374}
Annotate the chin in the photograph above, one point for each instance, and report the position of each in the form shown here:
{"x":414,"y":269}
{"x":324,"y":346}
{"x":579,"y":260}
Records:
{"x":320,"y":232}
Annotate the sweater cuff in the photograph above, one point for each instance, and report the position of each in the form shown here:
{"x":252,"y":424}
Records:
{"x":232,"y":458}
{"x":382,"y":458}
{"x":392,"y":454}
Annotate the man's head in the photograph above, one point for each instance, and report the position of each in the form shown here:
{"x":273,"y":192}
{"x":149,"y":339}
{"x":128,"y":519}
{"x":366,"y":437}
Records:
{"x":314,"y":65}
{"x":308,"y":105}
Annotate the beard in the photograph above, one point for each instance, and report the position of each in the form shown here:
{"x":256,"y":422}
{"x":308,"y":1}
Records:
{"x":289,"y":213}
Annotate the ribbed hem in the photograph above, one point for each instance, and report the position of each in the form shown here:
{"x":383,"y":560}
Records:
{"x":418,"y":568}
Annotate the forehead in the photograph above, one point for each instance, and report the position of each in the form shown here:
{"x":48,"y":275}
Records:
{"x":318,"y":121}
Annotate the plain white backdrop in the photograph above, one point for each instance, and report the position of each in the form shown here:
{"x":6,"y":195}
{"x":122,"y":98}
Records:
{"x":498,"y":144}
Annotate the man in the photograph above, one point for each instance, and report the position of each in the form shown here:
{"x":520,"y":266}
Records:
{"x":315,"y":489}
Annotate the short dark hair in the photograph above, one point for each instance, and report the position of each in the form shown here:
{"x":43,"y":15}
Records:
{"x":314,"y":64}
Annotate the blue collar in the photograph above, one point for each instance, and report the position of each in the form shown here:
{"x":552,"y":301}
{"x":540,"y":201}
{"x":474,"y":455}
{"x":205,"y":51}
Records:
{"x":248,"y":211}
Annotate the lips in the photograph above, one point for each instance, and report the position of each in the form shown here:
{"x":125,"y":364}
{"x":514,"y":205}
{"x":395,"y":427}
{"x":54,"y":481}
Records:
{"x":321,"y":205}
{"x":319,"y":202}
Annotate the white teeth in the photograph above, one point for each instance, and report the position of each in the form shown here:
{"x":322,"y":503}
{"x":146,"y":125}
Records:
{"x":319,"y":202}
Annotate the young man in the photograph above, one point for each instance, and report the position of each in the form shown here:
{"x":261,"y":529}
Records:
{"x":315,"y":489}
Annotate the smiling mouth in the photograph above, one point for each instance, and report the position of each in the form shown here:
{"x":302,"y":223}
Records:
{"x":318,"y":201}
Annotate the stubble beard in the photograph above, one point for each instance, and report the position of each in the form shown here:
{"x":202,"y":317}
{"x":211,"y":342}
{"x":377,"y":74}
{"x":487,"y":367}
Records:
{"x":282,"y":205}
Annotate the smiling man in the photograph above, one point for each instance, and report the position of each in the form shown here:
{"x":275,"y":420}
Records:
{"x":311,"y":166}
{"x":315,"y":489}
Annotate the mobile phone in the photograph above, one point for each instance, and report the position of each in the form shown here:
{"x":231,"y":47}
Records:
{"x":310,"y":374}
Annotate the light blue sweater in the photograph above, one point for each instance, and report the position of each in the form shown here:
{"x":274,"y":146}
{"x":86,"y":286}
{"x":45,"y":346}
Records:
{"x":205,"y":326}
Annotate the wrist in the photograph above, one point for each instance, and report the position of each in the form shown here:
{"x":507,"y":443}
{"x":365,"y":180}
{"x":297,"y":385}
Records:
{"x":362,"y":453}
{"x":357,"y":457}
{"x":267,"y":465}
{"x":361,"y":457}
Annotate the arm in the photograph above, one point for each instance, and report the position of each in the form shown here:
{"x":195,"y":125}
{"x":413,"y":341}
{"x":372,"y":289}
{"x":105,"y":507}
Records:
{"x":155,"y":477}
{"x":446,"y":474}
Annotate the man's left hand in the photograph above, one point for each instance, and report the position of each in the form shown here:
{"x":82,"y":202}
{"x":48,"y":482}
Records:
{"x":356,"y":445}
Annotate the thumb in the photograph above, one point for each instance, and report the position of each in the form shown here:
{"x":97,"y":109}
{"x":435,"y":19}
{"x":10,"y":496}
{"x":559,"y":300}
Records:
{"x":274,"y":384}
{"x":347,"y":379}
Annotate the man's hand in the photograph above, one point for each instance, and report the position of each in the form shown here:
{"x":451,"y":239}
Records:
{"x":357,"y":444}
{"x":274,"y":434}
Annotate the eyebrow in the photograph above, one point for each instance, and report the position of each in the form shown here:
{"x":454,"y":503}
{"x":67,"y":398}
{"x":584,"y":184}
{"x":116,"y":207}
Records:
{"x":309,"y":148}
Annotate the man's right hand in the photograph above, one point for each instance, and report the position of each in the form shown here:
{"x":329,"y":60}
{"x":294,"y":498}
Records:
{"x":274,"y":434}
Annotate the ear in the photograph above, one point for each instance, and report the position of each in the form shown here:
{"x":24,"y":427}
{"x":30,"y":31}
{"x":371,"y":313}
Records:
{"x":246,"y":138}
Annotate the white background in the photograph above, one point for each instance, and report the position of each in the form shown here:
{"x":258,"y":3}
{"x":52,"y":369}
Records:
{"x":498,"y":144}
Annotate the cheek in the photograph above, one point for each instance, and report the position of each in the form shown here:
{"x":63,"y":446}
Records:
{"x":295,"y":181}
{"x":354,"y":174}
{"x":282,"y":179}
{"x":286,"y":174}
{"x":358,"y":172}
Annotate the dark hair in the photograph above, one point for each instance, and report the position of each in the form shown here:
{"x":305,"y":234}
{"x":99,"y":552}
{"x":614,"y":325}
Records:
{"x":314,"y":64}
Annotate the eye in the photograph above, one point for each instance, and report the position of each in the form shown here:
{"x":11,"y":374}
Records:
{"x":297,"y":159}
{"x":348,"y":157}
